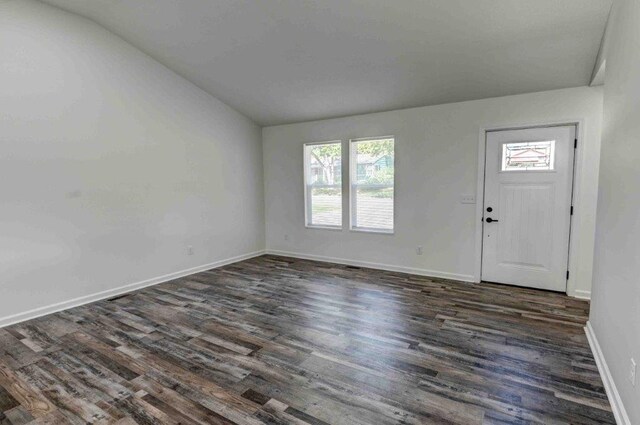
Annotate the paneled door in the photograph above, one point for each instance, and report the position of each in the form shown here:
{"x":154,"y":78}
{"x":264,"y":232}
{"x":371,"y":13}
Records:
{"x":527,"y":206}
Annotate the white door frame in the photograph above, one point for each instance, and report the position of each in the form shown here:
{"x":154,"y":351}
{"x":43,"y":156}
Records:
{"x":577,"y":172}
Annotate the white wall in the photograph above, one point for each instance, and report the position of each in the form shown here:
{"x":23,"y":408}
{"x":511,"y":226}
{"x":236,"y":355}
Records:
{"x":436,"y":162}
{"x":615,"y":311}
{"x":110,"y":164}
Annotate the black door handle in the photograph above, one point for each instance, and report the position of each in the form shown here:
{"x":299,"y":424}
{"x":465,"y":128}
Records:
{"x":490,"y":220}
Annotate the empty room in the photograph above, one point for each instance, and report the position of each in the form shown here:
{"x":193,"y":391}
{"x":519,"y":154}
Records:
{"x":319,"y":212}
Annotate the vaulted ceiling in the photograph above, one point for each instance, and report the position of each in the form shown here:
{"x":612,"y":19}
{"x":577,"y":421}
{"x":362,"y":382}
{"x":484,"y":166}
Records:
{"x":282,"y":61}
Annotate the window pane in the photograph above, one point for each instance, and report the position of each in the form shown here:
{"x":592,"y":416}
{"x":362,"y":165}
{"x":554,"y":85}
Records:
{"x":372,"y":183}
{"x":374,"y":208}
{"x":323,"y":164}
{"x":528,"y":156}
{"x":326,"y":206}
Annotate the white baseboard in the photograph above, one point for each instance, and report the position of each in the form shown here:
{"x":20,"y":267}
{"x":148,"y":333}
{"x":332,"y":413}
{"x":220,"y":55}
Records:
{"x":43,"y":311}
{"x":379,"y":266}
{"x":619,"y":412}
{"x":581,"y":294}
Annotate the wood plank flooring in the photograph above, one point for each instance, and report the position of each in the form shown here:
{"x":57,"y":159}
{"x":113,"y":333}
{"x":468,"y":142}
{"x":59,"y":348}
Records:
{"x":283,"y":341}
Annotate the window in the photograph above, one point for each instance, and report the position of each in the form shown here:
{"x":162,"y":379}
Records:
{"x":528,"y":156}
{"x":323,"y":184}
{"x":372,"y":175}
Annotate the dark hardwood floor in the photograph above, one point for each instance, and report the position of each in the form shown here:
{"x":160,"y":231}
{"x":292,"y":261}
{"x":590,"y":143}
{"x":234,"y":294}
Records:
{"x":278,"y":340}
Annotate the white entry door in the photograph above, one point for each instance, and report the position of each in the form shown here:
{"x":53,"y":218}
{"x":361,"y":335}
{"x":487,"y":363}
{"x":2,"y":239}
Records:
{"x":527,"y":206}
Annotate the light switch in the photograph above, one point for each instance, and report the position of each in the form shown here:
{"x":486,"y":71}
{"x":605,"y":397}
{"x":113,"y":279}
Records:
{"x":467,"y":199}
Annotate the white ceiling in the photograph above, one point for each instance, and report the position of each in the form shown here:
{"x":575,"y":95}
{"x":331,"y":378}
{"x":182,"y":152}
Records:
{"x":282,"y":61}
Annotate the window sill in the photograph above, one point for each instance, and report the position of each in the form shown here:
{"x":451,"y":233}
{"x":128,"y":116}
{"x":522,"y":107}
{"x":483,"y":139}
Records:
{"x":318,"y":227}
{"x":377,"y":231}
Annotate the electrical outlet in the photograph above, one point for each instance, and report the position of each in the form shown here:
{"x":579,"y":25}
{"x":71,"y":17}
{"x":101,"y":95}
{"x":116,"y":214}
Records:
{"x":190,"y":250}
{"x":419,"y":250}
{"x":632,"y":372}
{"x":286,"y":237}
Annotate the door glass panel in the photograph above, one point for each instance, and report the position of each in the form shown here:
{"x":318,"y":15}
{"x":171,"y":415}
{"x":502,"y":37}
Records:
{"x":528,"y":156}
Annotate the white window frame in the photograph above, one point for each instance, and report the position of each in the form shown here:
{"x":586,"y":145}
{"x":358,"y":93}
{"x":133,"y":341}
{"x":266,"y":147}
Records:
{"x":353,"y":186}
{"x":307,"y":192}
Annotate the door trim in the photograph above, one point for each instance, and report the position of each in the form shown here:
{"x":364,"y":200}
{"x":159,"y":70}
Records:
{"x":578,"y":160}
